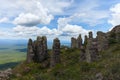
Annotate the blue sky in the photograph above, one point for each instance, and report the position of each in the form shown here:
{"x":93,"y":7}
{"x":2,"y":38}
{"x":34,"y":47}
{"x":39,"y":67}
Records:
{"x":23,"y":19}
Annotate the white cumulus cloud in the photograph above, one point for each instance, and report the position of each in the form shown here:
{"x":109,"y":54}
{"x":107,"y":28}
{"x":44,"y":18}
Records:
{"x":35,"y":15}
{"x":69,"y":29}
{"x":27,"y":19}
{"x":115,"y":17}
{"x":27,"y":32}
{"x":4,"y":20}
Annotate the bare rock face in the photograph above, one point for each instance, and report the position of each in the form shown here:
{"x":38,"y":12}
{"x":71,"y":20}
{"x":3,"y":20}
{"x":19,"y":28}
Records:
{"x":90,"y":35}
{"x":37,"y":50}
{"x":45,"y":47}
{"x":102,"y":41}
{"x":79,"y":42}
{"x":41,"y":48}
{"x":5,"y":75}
{"x":85,"y":41}
{"x":82,"y":54}
{"x":92,"y":50}
{"x":30,"y":52}
{"x":83,"y":50}
{"x":55,"y":57}
{"x":73,"y":42}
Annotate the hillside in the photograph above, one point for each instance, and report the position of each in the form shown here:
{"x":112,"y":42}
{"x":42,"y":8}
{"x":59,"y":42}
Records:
{"x":70,"y":68}
{"x":97,"y":59}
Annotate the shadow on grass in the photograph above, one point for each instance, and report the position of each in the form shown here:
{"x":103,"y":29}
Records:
{"x":8,"y":65}
{"x":22,"y":50}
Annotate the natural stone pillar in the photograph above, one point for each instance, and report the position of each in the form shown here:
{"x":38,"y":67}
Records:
{"x":85,"y":41}
{"x":73,"y":43}
{"x":41,"y":49}
{"x":90,"y":35}
{"x":30,"y":52}
{"x":45,"y":53}
{"x":55,"y":57}
{"x":79,"y":42}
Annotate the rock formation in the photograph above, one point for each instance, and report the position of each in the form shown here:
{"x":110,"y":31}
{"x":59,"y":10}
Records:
{"x":30,"y":52}
{"x":85,"y":41}
{"x":114,"y":35}
{"x":41,"y":49}
{"x":76,"y":43}
{"x":73,"y":42}
{"x":55,"y":57}
{"x":82,"y":54}
{"x":102,"y":41}
{"x":90,"y":35}
{"x":37,"y":50}
{"x":91,"y":50}
{"x":79,"y":42}
{"x":5,"y":75}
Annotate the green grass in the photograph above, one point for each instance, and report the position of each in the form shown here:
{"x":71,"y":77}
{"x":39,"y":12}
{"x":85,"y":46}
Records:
{"x":10,"y":54}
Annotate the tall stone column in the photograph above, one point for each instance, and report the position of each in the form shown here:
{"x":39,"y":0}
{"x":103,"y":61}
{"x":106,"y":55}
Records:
{"x":73,"y":42}
{"x":41,"y":48}
{"x":85,"y":41}
{"x":79,"y":41}
{"x":30,"y":52}
{"x":45,"y":53}
{"x":55,"y":57}
{"x":90,"y":35}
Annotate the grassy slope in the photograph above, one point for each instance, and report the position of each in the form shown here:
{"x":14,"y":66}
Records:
{"x":72,"y":69}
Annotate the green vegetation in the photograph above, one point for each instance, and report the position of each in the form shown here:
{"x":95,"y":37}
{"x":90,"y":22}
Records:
{"x":71,"y":68}
{"x":10,"y":55}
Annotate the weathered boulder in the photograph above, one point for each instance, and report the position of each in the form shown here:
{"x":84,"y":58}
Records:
{"x":99,"y":76}
{"x":5,"y":75}
{"x":55,"y":56}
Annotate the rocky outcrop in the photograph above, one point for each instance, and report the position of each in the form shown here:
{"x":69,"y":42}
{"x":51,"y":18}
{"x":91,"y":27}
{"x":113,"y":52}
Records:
{"x":91,"y":50}
{"x":73,"y":42}
{"x":79,"y":42}
{"x":30,"y":51}
{"x":82,"y":54}
{"x":85,"y":41}
{"x":41,"y":49}
{"x":76,"y":43}
{"x":102,"y":41}
{"x":5,"y":75}
{"x":55,"y":57}
{"x":90,"y":35}
{"x":37,"y":50}
{"x":114,"y":35}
